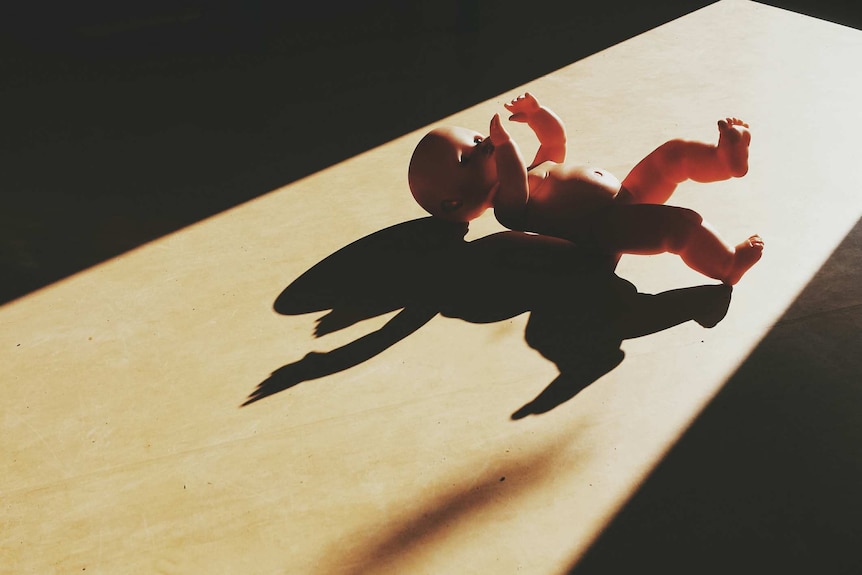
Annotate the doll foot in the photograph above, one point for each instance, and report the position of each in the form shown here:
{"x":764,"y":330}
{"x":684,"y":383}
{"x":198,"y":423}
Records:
{"x":745,"y":255}
{"x":733,"y":140}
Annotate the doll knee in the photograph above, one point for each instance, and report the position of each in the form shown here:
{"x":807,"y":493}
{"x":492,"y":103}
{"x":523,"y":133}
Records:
{"x":684,"y":224}
{"x":672,"y":152}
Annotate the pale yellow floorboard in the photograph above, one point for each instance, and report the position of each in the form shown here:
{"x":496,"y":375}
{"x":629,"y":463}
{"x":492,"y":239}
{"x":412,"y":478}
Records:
{"x":125,"y":449}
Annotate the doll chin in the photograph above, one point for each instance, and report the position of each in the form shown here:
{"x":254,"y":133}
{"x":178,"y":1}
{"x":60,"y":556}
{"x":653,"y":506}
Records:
{"x":462,"y":215}
{"x":472,"y":214}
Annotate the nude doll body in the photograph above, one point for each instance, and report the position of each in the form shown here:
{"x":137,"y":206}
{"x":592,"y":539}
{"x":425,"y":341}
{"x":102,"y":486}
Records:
{"x":564,"y":197}
{"x":457,"y":174}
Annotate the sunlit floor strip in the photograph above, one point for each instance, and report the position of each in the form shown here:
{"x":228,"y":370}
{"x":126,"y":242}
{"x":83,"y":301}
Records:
{"x":125,"y":447}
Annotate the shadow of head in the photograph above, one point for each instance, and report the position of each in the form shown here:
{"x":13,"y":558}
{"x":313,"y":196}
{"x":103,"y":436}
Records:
{"x":391,"y":269}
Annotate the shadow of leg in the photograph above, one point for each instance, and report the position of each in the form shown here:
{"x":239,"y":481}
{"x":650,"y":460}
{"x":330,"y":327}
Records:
{"x":581,"y":326}
{"x":570,"y":382}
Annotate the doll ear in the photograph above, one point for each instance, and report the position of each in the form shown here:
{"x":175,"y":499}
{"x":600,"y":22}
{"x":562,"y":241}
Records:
{"x":450,"y":206}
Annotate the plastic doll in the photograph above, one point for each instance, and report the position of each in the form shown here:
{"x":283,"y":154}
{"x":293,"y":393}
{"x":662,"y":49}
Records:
{"x":457,"y":174}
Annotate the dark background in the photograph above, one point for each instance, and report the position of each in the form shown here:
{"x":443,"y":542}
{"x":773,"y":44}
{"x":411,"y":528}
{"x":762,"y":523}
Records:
{"x":124,"y":121}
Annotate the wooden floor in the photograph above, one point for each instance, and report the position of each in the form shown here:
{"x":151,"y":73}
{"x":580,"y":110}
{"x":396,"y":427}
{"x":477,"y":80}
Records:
{"x":322,"y":381}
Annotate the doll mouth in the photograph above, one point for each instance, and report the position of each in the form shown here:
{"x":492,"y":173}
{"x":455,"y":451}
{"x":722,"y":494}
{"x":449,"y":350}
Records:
{"x":486,"y":147}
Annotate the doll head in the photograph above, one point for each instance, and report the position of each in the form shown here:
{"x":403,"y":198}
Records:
{"x":453,"y":174}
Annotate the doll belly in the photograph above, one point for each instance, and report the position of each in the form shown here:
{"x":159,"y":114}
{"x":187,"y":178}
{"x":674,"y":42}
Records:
{"x":566,"y":206}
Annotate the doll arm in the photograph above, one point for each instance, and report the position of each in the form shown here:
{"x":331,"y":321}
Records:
{"x":547,"y":126}
{"x":512,"y":193}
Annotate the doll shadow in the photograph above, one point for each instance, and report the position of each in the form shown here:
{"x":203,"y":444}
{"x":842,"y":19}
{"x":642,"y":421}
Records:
{"x":580,"y":310}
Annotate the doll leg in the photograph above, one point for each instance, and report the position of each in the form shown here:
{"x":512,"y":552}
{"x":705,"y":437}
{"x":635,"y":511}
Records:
{"x":655,"y":178}
{"x":654,"y":229}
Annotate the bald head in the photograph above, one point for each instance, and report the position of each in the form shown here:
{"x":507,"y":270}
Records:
{"x":452,"y":173}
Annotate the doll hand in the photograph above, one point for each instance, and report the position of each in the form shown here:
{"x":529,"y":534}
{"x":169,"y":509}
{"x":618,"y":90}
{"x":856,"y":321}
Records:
{"x":497,"y":132}
{"x":522,"y":107}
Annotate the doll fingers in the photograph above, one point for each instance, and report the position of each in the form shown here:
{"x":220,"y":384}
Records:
{"x":496,"y":127}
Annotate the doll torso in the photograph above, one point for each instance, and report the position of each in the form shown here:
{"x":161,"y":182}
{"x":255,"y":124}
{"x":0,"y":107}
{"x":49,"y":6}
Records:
{"x":562,"y":196}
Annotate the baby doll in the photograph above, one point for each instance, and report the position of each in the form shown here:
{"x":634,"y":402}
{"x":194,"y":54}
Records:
{"x":456,"y":174}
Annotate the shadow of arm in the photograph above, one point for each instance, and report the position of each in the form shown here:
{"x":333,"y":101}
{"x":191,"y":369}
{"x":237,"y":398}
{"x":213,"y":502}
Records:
{"x":317,"y":365}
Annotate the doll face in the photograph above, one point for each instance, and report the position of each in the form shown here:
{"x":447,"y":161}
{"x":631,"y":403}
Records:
{"x":453,"y":173}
